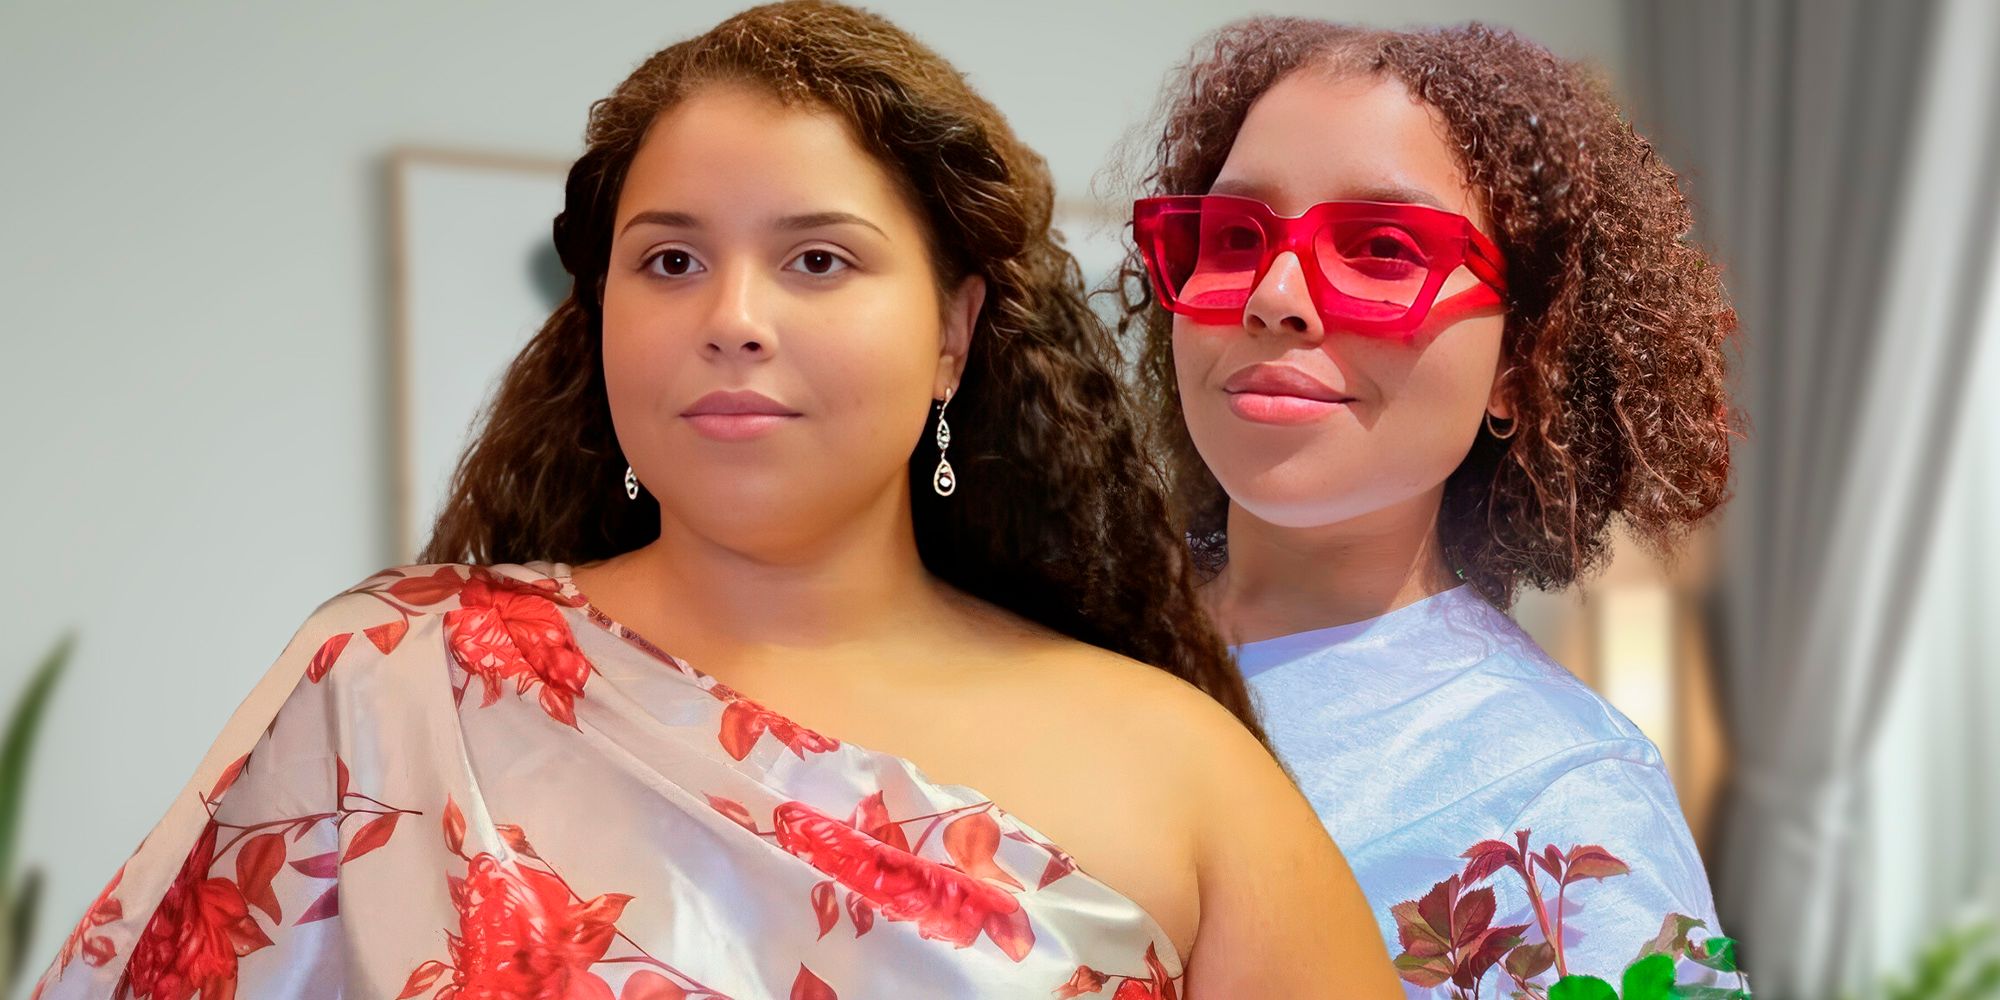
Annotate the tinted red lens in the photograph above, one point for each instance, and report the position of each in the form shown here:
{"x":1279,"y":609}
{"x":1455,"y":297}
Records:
{"x":1209,"y":259}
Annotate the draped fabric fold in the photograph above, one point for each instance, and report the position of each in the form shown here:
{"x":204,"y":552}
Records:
{"x":477,"y":785}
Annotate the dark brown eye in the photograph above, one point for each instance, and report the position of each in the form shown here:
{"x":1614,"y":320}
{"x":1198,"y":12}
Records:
{"x":676,"y":263}
{"x":819,"y":262}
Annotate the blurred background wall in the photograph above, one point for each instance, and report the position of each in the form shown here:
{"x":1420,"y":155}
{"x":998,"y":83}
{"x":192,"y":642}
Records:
{"x":196,"y":304}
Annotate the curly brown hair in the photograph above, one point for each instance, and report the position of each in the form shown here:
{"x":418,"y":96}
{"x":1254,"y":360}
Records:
{"x":1613,"y":350}
{"x":1066,"y":520}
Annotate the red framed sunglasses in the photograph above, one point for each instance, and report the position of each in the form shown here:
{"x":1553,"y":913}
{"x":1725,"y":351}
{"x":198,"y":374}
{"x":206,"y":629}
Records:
{"x":1372,"y":267}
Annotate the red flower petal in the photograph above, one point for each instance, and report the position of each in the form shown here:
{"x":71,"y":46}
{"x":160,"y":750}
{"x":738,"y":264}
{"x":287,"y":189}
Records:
{"x":742,"y":724}
{"x":428,"y":589}
{"x":387,"y":635}
{"x":1059,"y":866}
{"x":1010,"y":930}
{"x":811,"y":987}
{"x":329,"y":651}
{"x":425,"y":977}
{"x":734,"y":810}
{"x":971,"y":841}
{"x":454,"y":827}
{"x":861,"y":911}
{"x":516,"y":840}
{"x":826,"y":906}
{"x":648,"y":985}
{"x":229,"y":776}
{"x":1086,"y":980}
{"x":1134,"y":989}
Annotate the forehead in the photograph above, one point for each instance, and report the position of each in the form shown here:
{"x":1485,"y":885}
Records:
{"x":736,"y":149}
{"x":1314,"y":137}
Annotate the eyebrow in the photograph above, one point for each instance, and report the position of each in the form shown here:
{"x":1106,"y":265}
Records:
{"x":1378,"y":192}
{"x":809,"y":220}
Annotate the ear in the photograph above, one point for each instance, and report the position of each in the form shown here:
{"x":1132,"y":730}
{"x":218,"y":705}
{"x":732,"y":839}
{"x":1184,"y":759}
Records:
{"x":961,"y":315}
{"x":1500,"y":399}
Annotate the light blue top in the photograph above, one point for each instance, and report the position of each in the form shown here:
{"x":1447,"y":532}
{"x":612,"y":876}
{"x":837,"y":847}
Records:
{"x":1421,"y":733}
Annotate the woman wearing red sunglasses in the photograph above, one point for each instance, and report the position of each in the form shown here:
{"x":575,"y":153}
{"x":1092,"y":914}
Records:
{"x":1419,"y":321}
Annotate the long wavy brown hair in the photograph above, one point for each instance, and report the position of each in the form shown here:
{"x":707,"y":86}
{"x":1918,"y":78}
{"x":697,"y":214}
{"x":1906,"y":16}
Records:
{"x":1061,"y":519}
{"x":1613,"y":350}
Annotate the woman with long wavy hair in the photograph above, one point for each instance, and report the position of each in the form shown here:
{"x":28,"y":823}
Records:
{"x":1419,"y":321}
{"x":815,"y":507}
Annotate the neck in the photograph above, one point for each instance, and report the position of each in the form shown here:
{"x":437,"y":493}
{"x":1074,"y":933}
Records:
{"x":729,"y":598}
{"x":1283,"y":580}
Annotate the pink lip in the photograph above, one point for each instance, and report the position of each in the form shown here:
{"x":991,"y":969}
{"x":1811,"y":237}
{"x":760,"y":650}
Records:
{"x":1280,"y":394}
{"x":737,"y":415}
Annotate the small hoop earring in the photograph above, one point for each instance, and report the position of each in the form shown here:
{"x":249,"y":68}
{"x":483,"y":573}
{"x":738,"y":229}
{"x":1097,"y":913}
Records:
{"x":1512,"y":426}
{"x":943,"y":480}
{"x":631,"y":484}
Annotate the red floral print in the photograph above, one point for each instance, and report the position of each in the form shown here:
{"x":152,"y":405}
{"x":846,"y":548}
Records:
{"x":96,"y":949}
{"x":207,"y":921}
{"x":744,"y":721}
{"x":202,"y":926}
{"x":1448,"y":939}
{"x":521,"y":936}
{"x":507,"y":629}
{"x":524,"y":934}
{"x":1154,"y":985}
{"x":947,"y":904}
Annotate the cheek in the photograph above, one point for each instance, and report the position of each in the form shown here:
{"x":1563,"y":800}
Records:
{"x":1421,"y":410}
{"x":868,"y":365}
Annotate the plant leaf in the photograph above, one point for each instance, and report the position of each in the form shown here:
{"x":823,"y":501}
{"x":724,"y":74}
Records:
{"x":1487,"y":857}
{"x":1673,"y":937}
{"x":319,"y":865}
{"x":17,"y":746}
{"x":1650,"y":978}
{"x":1582,"y":988}
{"x":327,"y":905}
{"x":1718,"y":953}
{"x":372,"y":836}
{"x":256,"y":864}
{"x":1530,"y":960}
{"x":1591,"y":861}
{"x":1707,"y":993}
{"x":1425,"y":971}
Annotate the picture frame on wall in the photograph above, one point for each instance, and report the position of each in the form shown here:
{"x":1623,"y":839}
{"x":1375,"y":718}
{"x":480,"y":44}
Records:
{"x":475,"y":276}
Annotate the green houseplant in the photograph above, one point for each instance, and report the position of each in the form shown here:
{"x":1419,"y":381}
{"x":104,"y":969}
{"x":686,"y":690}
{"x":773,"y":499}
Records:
{"x":20,"y":891}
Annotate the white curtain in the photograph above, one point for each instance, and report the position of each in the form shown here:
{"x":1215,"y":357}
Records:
{"x":1845,"y":157}
{"x":1931,"y":828}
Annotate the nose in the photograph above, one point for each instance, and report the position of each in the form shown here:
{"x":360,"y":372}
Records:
{"x":1281,"y":302}
{"x":739,"y":324}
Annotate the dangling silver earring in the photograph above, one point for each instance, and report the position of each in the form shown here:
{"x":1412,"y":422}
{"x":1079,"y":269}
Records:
{"x":943,"y":480}
{"x":1512,"y":426}
{"x":631,"y":484}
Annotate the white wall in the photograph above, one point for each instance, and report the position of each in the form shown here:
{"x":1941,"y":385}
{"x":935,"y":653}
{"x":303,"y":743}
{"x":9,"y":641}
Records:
{"x":193,"y":279}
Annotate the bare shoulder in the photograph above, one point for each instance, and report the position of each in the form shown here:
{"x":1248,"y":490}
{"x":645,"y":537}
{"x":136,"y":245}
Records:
{"x":1127,"y":709}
